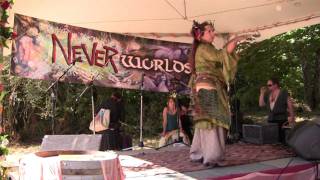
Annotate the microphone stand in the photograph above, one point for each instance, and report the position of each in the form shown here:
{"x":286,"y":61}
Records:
{"x":90,"y":85}
{"x":53,"y":96}
{"x":141,"y":112}
{"x":53,"y":108}
{"x":141,"y":144}
{"x":56,"y":81}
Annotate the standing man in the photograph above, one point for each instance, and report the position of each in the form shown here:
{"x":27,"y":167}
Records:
{"x":279,"y":104}
{"x":111,"y":138}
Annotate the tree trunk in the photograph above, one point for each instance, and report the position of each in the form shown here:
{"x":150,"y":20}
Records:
{"x":317,"y":80}
{"x":308,"y":81}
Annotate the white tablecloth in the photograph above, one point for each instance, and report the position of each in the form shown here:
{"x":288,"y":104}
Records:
{"x":33,"y":167}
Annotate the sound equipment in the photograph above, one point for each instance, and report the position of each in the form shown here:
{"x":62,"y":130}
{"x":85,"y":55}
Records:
{"x":82,"y":142}
{"x":305,"y":139}
{"x":126,"y":141}
{"x":267,"y":133}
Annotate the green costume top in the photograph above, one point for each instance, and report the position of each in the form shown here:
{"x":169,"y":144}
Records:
{"x":218,"y":68}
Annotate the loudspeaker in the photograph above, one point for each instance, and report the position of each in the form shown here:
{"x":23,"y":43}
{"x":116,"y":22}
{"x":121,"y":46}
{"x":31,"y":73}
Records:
{"x":266,"y":133}
{"x":305,"y":139}
{"x":82,"y":142}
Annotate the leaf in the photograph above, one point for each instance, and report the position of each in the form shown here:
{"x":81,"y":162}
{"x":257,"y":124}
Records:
{"x":2,"y":95}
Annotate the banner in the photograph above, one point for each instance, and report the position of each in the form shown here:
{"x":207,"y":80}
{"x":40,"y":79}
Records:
{"x":45,"y":50}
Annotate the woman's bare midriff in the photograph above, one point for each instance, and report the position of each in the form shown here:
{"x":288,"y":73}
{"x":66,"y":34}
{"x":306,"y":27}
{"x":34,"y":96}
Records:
{"x":204,"y":85}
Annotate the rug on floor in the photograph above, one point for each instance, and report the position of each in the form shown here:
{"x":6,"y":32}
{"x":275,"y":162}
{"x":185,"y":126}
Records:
{"x":236,"y":154}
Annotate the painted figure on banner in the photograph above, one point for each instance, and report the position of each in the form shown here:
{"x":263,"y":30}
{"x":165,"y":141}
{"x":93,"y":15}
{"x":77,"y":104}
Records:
{"x":156,"y":82}
{"x":29,"y":47}
{"x":212,"y":70}
{"x":123,"y":78}
{"x":162,"y":81}
{"x":171,"y":53}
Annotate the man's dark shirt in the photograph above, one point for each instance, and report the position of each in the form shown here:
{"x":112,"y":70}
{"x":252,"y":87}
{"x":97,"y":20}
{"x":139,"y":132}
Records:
{"x":279,"y":113}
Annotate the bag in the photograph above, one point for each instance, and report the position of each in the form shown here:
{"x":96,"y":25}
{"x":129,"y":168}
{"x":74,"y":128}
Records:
{"x":102,"y":120}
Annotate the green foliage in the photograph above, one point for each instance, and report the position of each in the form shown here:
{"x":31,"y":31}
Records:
{"x":3,"y":145}
{"x":3,"y":151}
{"x":2,"y":95}
{"x":281,"y":56}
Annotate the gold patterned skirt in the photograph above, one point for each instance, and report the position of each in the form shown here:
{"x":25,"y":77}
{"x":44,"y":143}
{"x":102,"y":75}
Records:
{"x":211,"y":109}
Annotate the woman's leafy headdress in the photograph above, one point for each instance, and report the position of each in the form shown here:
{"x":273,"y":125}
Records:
{"x":173,"y":95}
{"x":198,"y":28}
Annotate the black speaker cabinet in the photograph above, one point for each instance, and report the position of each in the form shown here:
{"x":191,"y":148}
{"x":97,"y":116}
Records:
{"x":305,"y":139}
{"x":260,"y":133}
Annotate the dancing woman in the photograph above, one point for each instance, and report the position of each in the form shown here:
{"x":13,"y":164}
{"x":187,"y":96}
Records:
{"x":212,"y":71}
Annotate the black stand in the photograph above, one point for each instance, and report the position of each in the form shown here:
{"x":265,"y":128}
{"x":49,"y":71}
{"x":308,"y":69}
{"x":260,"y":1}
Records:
{"x":53,"y":108}
{"x":53,"y":96}
{"x":141,"y":144}
{"x":92,"y":106}
{"x":235,"y":135}
{"x":90,"y":85}
{"x":236,"y":116}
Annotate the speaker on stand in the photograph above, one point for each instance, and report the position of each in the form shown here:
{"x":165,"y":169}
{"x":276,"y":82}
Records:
{"x":304,"y":138}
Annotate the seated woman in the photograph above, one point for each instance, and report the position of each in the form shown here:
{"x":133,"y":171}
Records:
{"x":171,"y":124}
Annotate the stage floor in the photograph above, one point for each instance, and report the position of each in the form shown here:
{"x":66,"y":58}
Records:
{"x":174,"y":163}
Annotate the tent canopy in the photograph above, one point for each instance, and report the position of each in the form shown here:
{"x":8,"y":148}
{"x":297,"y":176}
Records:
{"x":172,"y":19}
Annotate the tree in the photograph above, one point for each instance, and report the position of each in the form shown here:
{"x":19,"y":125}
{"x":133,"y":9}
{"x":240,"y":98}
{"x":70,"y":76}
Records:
{"x":293,"y":57}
